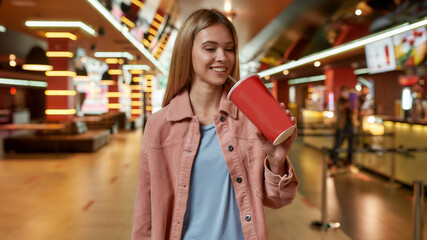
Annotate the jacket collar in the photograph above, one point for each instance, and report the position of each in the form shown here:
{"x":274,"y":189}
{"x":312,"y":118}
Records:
{"x":180,"y":107}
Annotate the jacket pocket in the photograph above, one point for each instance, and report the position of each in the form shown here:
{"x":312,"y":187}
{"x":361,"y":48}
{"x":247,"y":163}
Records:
{"x":256,"y":170}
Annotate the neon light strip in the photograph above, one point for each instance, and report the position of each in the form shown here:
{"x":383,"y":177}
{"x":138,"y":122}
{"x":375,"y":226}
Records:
{"x":78,"y":24}
{"x":307,"y":79}
{"x":136,"y":111}
{"x":59,"y":54}
{"x":136,"y":87}
{"x":22,"y":82}
{"x":128,"y":67}
{"x":136,"y":95}
{"x":345,"y":47}
{"x":114,"y":55}
{"x":60,"y":93}
{"x":137,"y":3}
{"x":37,"y":67}
{"x":107,"y":82}
{"x":60,"y":111}
{"x":114,"y":105}
{"x":113,"y":94}
{"x":60,"y":74}
{"x":128,"y":22}
{"x":111,"y":61}
{"x":115,"y":72}
{"x":136,"y":71}
{"x":61,"y":35}
{"x":136,"y":79}
{"x":101,"y":9}
{"x":136,"y":103}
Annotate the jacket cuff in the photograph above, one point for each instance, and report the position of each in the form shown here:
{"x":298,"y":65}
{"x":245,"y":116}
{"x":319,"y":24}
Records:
{"x":277,"y":180}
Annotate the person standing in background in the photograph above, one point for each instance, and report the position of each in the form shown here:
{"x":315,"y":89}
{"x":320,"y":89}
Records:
{"x":346,"y":120}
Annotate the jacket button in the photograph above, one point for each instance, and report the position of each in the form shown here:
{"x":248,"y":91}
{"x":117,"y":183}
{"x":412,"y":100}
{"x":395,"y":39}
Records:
{"x":222,"y":118}
{"x":239,"y":180}
{"x":230,"y":148}
{"x":248,"y":218}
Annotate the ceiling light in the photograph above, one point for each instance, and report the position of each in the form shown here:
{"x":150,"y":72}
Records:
{"x":59,"y":54}
{"x":37,"y":67}
{"x":317,"y":63}
{"x":61,"y":35}
{"x":2,"y":28}
{"x":60,"y":93}
{"x":114,"y":55}
{"x":71,"y":24}
{"x":227,"y":6}
{"x":101,"y":9}
{"x":37,"y":60}
{"x":60,"y":74}
{"x":22,"y":82}
{"x":60,"y":111}
{"x":358,"y":12}
{"x":307,"y":79}
{"x":285,"y":72}
{"x":345,"y":47}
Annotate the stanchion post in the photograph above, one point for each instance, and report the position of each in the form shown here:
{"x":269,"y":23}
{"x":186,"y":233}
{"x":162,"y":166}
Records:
{"x":323,"y":224}
{"x":417,"y":210}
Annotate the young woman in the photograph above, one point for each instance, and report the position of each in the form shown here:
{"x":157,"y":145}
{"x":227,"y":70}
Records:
{"x":206,"y":171}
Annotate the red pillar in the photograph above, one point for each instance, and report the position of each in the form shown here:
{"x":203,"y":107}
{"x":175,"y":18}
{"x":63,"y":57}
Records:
{"x":280,"y":91}
{"x":60,"y":94}
{"x":136,"y":97}
{"x":336,"y":78}
{"x":114,"y":69}
{"x":148,"y":92}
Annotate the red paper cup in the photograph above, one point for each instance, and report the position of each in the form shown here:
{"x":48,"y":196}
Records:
{"x":252,"y":98}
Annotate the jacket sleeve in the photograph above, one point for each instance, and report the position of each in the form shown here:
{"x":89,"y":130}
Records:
{"x":141,"y":228}
{"x":279,"y":190}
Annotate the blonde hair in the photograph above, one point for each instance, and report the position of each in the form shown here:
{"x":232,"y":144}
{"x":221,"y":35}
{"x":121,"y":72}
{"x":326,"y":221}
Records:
{"x":181,"y":68}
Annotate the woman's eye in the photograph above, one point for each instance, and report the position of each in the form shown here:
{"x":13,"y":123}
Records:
{"x":229,"y":49}
{"x":210,"y":49}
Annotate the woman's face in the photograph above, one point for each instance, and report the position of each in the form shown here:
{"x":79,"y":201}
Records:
{"x":213,"y":55}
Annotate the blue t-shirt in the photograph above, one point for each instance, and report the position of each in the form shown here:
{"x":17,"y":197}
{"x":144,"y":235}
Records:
{"x":212,"y":210}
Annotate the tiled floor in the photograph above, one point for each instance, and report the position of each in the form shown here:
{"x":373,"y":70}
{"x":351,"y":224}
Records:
{"x":91,"y":196}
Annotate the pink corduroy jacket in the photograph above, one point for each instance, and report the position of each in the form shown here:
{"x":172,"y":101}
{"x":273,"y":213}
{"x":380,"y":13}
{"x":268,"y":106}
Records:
{"x":169,"y":146}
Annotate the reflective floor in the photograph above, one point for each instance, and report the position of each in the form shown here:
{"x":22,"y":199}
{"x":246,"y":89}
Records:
{"x":91,"y":196}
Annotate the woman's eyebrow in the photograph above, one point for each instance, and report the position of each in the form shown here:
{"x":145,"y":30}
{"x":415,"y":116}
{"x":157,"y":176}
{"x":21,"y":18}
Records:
{"x":215,"y":43}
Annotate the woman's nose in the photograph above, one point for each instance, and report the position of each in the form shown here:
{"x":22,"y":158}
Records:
{"x":220,"y":55}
